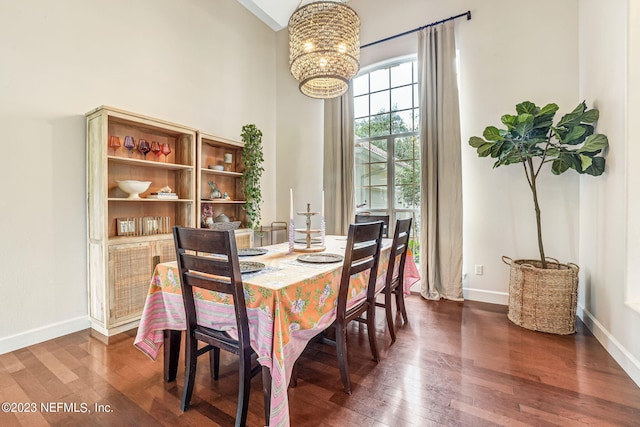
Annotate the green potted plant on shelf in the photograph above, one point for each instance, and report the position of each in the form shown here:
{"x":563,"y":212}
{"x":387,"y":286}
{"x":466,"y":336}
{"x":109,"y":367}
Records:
{"x":543,"y":292}
{"x":252,"y":158}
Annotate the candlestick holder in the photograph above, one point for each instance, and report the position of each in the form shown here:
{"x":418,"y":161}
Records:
{"x":292,"y":234}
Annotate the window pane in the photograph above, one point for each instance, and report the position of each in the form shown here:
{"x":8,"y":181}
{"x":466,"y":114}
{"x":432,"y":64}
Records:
{"x":380,"y":125}
{"x":379,"y":150}
{"x":361,"y":106}
{"x":378,"y":174}
{"x":361,"y":85}
{"x":379,"y":80}
{"x":415,"y":71}
{"x":401,"y":74}
{"x":380,"y":102}
{"x":378,"y":198}
{"x":361,"y":152}
{"x":404,"y":148}
{"x":401,"y":98}
{"x":416,"y":119}
{"x":403,"y":197}
{"x":361,"y":177}
{"x":401,"y":121}
{"x":361,"y":196}
{"x":362,"y":127}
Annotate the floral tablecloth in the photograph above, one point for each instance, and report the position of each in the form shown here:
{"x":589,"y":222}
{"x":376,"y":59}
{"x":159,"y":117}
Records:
{"x":288,"y":303}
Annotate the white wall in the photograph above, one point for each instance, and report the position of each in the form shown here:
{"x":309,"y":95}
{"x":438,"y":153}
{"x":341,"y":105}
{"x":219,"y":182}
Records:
{"x":209,"y":64}
{"x":300,"y":135}
{"x":604,"y":56}
{"x":633,"y":153}
{"x":502,"y":62}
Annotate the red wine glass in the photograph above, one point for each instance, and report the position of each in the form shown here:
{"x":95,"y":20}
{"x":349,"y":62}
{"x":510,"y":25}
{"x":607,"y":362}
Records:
{"x":166,"y":150}
{"x":156,"y":149}
{"x":144,"y":148}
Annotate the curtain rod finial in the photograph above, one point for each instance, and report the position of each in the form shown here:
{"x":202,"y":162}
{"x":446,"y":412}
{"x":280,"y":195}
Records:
{"x":468,"y":15}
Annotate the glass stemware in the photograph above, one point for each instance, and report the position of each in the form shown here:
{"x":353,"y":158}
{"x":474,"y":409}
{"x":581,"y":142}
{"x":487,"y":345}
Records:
{"x":166,"y":150}
{"x":129,"y":144}
{"x":144,"y":148}
{"x":156,"y":149}
{"x":114,"y":143}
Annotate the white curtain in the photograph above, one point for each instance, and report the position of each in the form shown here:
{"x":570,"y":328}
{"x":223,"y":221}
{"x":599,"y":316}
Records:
{"x":441,"y":206}
{"x":339,"y":164}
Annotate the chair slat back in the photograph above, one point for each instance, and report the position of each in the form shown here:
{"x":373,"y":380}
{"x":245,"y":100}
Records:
{"x":399,"y":247}
{"x":361,"y":218}
{"x":219,"y":272}
{"x":362,"y":253}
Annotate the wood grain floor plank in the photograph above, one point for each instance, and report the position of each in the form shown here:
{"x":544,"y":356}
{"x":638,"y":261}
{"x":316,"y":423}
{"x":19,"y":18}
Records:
{"x":454,"y":364}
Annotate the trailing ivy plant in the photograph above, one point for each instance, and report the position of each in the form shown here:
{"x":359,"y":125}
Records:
{"x":252,"y":158}
{"x":532,"y":140}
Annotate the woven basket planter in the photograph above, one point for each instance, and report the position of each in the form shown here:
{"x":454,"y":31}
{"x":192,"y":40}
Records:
{"x":543,"y":299}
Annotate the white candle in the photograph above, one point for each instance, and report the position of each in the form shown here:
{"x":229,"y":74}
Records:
{"x":322,"y":204}
{"x":291,"y":203}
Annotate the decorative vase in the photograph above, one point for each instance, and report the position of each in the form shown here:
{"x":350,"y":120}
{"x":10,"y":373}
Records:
{"x":215,"y":191}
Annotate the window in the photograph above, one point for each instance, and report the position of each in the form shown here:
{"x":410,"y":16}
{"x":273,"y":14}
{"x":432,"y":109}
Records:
{"x":387,"y":149}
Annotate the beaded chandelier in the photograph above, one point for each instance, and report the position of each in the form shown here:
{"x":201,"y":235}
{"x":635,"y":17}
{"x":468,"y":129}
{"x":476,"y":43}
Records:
{"x":324,"y":48}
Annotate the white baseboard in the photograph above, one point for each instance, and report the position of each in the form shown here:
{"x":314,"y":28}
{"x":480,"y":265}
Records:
{"x":482,"y":295}
{"x":629,"y":364}
{"x":45,"y":333}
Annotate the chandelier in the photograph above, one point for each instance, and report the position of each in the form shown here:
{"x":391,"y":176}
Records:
{"x":324,"y":48}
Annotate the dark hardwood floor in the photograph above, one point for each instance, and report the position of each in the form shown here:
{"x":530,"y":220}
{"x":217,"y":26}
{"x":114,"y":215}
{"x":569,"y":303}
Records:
{"x":454,"y":364}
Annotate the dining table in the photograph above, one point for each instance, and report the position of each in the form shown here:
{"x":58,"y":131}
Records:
{"x":290,"y":299}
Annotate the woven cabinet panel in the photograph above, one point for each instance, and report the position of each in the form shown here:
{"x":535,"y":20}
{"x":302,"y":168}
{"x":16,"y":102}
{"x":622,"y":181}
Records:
{"x":243,"y":240}
{"x":166,"y":250}
{"x":131,"y":272}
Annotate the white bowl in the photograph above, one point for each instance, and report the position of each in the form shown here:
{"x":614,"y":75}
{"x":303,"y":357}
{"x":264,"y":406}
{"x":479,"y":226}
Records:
{"x":216,"y":167}
{"x":133,"y":188}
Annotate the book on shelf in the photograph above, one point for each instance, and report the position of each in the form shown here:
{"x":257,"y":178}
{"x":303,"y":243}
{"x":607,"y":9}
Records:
{"x":162,"y":196}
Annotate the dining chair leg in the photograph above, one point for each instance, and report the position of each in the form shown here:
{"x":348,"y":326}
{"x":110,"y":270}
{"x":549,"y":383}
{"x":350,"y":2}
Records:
{"x":400,"y":304}
{"x":343,"y":362}
{"x":389,"y":313}
{"x":214,"y":362}
{"x":266,"y":389}
{"x":244,"y":389}
{"x":371,"y":331}
{"x":190,"y":374}
{"x":293,"y":382}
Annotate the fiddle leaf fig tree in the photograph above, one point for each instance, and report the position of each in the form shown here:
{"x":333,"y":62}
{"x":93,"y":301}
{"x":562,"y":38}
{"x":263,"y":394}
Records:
{"x":252,"y":158}
{"x":532,"y":140}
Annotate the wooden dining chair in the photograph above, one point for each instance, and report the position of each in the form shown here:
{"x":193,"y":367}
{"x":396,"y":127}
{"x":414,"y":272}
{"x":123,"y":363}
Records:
{"x":196,"y":266}
{"x":394,"y":284}
{"x":361,"y":218}
{"x":362,"y":254}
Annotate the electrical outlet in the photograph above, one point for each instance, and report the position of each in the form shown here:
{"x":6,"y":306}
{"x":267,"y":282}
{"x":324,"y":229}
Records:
{"x":479,"y":269}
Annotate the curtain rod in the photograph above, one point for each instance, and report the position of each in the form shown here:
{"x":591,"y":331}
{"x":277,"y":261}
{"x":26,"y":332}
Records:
{"x":451,"y":18}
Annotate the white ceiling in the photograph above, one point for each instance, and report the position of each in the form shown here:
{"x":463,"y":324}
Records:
{"x":274,"y":13}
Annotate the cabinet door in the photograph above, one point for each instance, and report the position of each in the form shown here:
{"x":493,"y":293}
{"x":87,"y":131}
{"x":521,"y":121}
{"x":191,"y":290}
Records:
{"x":244,"y":238}
{"x":130,"y":270}
{"x":165,"y":251}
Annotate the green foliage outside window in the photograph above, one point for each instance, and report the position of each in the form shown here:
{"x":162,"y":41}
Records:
{"x":408,"y":176}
